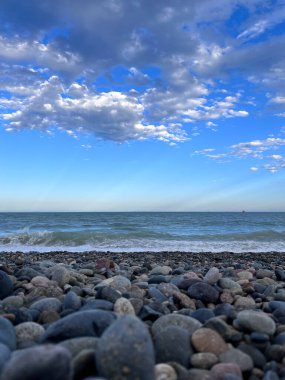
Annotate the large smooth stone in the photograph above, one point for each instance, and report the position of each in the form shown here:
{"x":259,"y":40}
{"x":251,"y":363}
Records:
{"x":212,"y":276}
{"x":256,"y":321}
{"x":7,"y":333}
{"x":6,"y":285}
{"x":71,"y":301}
{"x":207,"y":340}
{"x":5,"y":354}
{"x":237,"y":356}
{"x":126,"y":351}
{"x":204,"y":292}
{"x":39,"y":363}
{"x":173,"y":344}
{"x":187,"y":323}
{"x":81,"y":323}
{"x":76,"y":345}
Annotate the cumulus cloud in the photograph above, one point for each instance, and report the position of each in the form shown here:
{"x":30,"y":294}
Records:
{"x":52,"y":56}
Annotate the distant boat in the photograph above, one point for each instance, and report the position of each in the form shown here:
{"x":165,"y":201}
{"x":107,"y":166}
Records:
{"x":243,"y":211}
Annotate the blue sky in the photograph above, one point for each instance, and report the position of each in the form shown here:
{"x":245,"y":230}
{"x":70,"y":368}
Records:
{"x":140,"y":105}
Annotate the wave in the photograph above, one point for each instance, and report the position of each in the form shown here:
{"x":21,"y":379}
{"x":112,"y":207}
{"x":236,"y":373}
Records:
{"x":139,"y":241}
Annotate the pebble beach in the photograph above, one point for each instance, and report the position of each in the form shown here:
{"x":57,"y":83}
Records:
{"x":148,"y":316}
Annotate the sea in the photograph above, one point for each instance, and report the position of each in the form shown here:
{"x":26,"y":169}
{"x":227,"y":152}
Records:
{"x":143,"y":232}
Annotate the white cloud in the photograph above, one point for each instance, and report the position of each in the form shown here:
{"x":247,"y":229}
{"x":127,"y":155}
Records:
{"x":254,"y":169}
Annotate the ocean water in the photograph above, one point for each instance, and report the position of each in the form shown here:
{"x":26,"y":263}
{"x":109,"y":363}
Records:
{"x":143,"y":231}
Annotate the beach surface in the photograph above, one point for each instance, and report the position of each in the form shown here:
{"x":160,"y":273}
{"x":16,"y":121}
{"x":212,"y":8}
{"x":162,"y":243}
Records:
{"x":162,"y":316}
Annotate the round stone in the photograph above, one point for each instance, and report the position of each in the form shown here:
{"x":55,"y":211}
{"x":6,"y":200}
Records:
{"x":12,"y":301}
{"x":203,"y":314}
{"x":204,"y":292}
{"x":256,"y":321}
{"x":124,"y":307}
{"x":39,"y":362}
{"x":207,"y":340}
{"x":60,"y":275}
{"x":6,"y":285}
{"x":5,"y":354}
{"x":212,"y":276}
{"x":188,"y":323}
{"x":204,"y":360}
{"x":238,"y":357}
{"x":71,"y":301}
{"x":220,"y":370}
{"x":164,"y":372}
{"x":126,"y":351}
{"x":163,"y":270}
{"x":7,"y":333}
{"x":81,"y":323}
{"x":28,"y":333}
{"x":245,"y":275}
{"x":173,"y":344}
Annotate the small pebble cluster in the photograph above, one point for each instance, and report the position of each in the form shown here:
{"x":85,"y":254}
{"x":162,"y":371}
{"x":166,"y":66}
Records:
{"x":164,"y":316}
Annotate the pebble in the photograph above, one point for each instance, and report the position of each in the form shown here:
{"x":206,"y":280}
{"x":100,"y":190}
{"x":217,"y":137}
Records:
{"x":126,"y":351}
{"x":124,"y":307}
{"x":235,"y":355}
{"x":6,"y":285}
{"x":164,"y":372}
{"x":7,"y":333}
{"x":187,"y":323}
{"x":163,"y":270}
{"x":204,"y":360}
{"x":47,"y":304}
{"x":219,"y":371}
{"x":173,"y":344}
{"x":256,"y":321}
{"x":207,"y":340}
{"x":71,"y":301}
{"x":204,"y":292}
{"x":212,"y":276}
{"x":81,"y":323}
{"x":60,"y":275}
{"x":28,"y":333}
{"x":5,"y":355}
{"x":39,"y":362}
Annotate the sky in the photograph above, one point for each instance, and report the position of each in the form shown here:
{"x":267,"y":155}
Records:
{"x":141,"y":105}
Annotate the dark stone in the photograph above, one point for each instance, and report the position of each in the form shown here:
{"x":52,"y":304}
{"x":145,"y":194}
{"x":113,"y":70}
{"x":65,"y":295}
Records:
{"x":157,"y":279}
{"x":199,"y":374}
{"x":173,"y":344}
{"x":7,"y":333}
{"x":225,"y":309}
{"x":203,"y":292}
{"x":222,"y":328}
{"x":277,"y":305}
{"x":280,"y":339}
{"x":108,"y":293}
{"x":280,"y":274}
{"x":81,"y":323}
{"x":126,"y":351}
{"x":23,"y":315}
{"x":155,"y":293}
{"x":186,"y":283}
{"x":5,"y":354}
{"x":6,"y":285}
{"x":71,"y":301}
{"x":84,"y":364}
{"x":256,"y":355}
{"x":27,"y":273}
{"x":39,"y":362}
{"x":97,"y":304}
{"x":270,"y":375}
{"x":275,"y":352}
{"x":203,"y":314}
{"x":259,"y":337}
